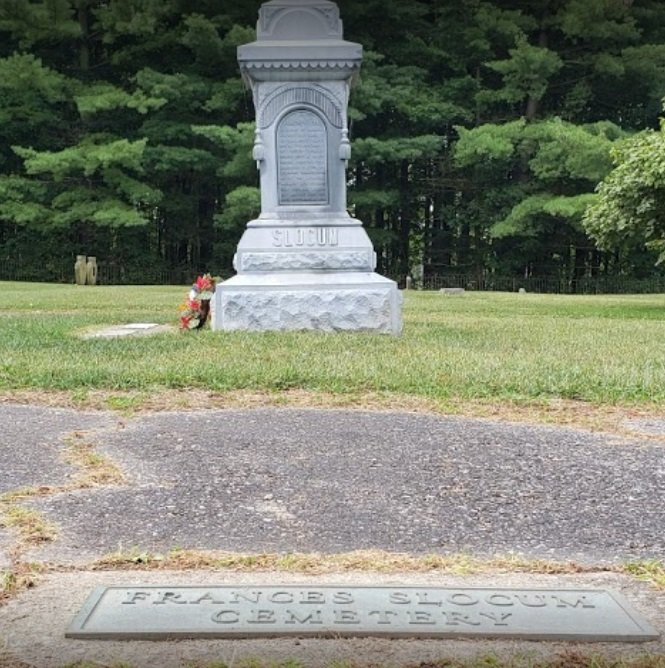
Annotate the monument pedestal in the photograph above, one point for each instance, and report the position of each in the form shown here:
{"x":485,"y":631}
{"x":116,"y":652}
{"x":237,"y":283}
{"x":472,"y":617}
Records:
{"x":322,"y":301}
{"x":307,"y":273}
{"x":304,"y":263}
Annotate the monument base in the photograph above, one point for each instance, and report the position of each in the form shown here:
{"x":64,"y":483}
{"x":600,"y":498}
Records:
{"x":327,"y":302}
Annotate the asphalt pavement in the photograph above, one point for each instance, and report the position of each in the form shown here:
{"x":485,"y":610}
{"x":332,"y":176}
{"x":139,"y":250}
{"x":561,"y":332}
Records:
{"x":287,"y":480}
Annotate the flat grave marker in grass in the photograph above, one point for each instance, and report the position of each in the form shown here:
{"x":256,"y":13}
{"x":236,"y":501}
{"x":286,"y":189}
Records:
{"x":130,"y":329}
{"x":154,"y":613}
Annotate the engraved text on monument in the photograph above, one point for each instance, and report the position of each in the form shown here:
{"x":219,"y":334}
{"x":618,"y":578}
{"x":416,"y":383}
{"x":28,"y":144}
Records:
{"x":302,"y":174}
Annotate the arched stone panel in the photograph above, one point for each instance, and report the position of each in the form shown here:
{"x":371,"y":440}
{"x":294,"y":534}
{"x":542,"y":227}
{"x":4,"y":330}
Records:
{"x":286,"y":97}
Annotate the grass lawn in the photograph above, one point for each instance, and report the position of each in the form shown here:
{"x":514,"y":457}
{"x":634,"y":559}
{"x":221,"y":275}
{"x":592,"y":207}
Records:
{"x":479,"y":346}
{"x":504,"y":352}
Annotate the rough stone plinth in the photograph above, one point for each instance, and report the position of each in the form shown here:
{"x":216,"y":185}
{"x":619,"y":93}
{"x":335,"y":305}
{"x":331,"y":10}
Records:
{"x":343,"y":301}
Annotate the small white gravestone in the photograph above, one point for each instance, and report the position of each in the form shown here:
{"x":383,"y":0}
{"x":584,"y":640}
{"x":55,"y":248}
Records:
{"x":305,"y":263}
{"x":130,"y":329}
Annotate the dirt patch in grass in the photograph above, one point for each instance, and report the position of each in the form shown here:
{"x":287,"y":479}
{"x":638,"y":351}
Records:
{"x":568,"y":659}
{"x":609,"y":418}
{"x":652,"y":571}
{"x":16,"y":579}
{"x":317,"y":564}
{"x":377,"y":561}
{"x":29,"y":525}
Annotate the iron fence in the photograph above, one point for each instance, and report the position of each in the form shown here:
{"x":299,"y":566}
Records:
{"x":62,"y":271}
{"x":53,"y":271}
{"x":598,"y":285}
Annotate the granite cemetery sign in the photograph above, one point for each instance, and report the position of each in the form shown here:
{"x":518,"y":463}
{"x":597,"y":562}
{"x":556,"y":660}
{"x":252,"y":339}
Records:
{"x":150,"y":612}
{"x":305,"y":263}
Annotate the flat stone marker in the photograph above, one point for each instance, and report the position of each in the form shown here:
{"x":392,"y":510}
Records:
{"x":141,"y":325}
{"x":130,"y":329}
{"x":153,"y":613}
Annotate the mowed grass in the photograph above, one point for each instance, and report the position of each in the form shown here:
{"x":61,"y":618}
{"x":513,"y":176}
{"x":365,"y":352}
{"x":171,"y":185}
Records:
{"x":475,"y":346}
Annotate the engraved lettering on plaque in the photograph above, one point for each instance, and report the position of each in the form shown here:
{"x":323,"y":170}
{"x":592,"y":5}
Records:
{"x":225,"y":611}
{"x":457,"y":618}
{"x":302,"y":173}
{"x":498,"y":621}
{"x":346,"y":616}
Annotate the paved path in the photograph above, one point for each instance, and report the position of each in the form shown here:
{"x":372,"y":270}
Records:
{"x":32,"y":442}
{"x":332,"y":481}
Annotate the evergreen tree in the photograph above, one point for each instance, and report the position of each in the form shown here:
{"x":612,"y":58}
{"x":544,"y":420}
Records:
{"x":480,"y":130}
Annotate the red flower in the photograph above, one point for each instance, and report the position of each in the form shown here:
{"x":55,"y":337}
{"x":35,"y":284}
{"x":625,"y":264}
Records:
{"x":193,"y":316}
{"x":204,"y":284}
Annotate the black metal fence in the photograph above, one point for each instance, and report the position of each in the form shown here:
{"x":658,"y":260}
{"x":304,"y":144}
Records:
{"x":55,"y":271}
{"x":62,"y":271}
{"x":547,"y":284}
{"x":108,"y":274}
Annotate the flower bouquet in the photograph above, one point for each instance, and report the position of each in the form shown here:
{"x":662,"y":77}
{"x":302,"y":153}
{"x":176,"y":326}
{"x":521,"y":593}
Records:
{"x":195,"y":311}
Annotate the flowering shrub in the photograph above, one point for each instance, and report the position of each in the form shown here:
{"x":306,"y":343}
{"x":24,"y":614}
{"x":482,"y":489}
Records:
{"x":194,"y":312}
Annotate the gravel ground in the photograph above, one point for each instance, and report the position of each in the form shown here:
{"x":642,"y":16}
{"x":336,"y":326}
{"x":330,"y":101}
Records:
{"x":649,"y":427}
{"x":333,"y":481}
{"x":6,"y":540}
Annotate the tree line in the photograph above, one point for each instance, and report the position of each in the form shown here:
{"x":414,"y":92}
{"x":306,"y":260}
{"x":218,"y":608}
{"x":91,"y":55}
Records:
{"x":480,"y":132}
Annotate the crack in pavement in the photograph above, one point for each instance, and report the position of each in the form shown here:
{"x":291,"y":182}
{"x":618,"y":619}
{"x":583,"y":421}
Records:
{"x":40,"y":458}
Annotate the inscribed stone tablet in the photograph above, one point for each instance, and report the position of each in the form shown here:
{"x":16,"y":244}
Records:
{"x":227,"y":612}
{"x":302,"y":174}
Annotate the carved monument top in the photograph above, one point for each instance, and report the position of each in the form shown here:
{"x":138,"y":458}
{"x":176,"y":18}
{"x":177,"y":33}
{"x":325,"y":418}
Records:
{"x":299,"y":40}
{"x":298,"y":20}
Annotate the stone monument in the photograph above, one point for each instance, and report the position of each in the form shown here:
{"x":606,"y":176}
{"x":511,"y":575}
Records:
{"x":305,"y":263}
{"x":80,"y":270}
{"x":91,"y":271}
